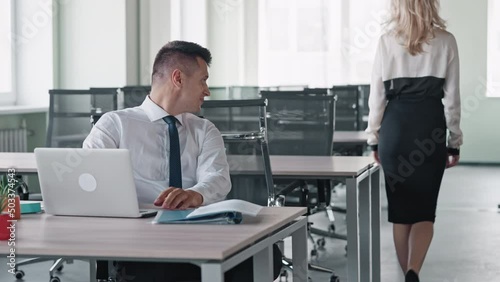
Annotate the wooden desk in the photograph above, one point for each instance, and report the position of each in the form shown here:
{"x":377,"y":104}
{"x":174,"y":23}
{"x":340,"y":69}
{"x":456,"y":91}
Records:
{"x":350,"y":143}
{"x":215,"y":248}
{"x":22,"y":162}
{"x":363,"y":201}
{"x":352,"y":137}
{"x":363,"y":197}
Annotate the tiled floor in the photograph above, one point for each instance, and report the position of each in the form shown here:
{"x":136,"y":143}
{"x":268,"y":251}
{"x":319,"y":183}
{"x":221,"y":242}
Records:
{"x":466,"y":245}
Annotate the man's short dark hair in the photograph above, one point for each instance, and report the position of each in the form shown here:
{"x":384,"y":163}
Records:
{"x":179,"y":55}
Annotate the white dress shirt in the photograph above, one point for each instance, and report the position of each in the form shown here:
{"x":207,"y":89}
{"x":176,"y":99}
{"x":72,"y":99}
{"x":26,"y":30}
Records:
{"x":439,"y":59}
{"x":144,"y":133}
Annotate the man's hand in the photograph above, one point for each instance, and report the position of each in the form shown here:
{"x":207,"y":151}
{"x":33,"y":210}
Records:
{"x":452,"y":160}
{"x":178,"y":199}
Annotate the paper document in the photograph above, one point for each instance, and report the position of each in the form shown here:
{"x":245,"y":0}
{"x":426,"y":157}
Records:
{"x":225,"y":212}
{"x":244,"y":207}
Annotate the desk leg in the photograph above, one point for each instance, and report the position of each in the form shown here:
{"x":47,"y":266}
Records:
{"x":212,"y":272}
{"x":352,"y":230}
{"x":375,"y":203}
{"x":262,"y":265}
{"x":365,"y":230}
{"x":92,"y":270}
{"x":299,"y":254}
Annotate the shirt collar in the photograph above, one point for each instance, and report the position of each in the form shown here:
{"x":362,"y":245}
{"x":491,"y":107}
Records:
{"x":155,"y":112}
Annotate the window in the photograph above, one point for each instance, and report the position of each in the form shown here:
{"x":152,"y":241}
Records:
{"x":493,"y":55}
{"x":6,"y":53}
{"x":319,"y":43}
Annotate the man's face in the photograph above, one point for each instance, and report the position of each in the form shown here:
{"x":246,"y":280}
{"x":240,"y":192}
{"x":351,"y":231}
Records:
{"x":195,"y":88}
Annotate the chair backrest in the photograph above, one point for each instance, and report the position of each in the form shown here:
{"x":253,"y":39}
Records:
{"x":104,"y":99}
{"x":348,"y":114}
{"x":244,"y":130}
{"x":235,"y":115}
{"x":133,"y":96}
{"x":300,"y":122}
{"x":69,"y":112}
{"x":364,"y":93}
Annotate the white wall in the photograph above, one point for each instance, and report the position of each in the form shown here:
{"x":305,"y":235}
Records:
{"x":467,"y":20}
{"x":33,"y":43}
{"x":92,"y":49}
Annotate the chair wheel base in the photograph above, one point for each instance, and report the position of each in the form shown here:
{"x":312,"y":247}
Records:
{"x":19,"y":274}
{"x":321,"y":243}
{"x":55,"y":279}
{"x":334,"y":278}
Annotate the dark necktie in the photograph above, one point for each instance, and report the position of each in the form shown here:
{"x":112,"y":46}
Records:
{"x":175,"y":153}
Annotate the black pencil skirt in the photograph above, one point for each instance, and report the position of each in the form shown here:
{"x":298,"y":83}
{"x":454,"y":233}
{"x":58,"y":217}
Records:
{"x":412,"y":151}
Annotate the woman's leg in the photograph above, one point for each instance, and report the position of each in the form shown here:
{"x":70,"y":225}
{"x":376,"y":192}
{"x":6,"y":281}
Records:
{"x":401,"y":233}
{"x":419,"y":241}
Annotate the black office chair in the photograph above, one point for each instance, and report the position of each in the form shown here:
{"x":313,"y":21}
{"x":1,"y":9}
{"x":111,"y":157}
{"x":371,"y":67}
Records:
{"x":352,"y":115}
{"x":303,"y":123}
{"x":364,"y":93}
{"x":347,"y":115}
{"x":133,"y":96}
{"x":69,"y":111}
{"x":243,"y":126}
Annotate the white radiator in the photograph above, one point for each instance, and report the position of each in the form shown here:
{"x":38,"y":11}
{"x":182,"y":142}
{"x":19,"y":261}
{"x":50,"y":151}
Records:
{"x":14,"y":140}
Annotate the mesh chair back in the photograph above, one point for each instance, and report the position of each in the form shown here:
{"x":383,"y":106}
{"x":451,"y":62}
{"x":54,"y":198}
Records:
{"x":300,"y":122}
{"x":234,"y":115}
{"x":104,"y":99}
{"x":364,"y":93}
{"x":133,"y":96}
{"x":69,"y":113}
{"x":243,"y":127}
{"x":348,"y":114}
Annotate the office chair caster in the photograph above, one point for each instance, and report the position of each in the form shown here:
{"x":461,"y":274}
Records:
{"x":334,"y":278}
{"x":19,"y":274}
{"x":283,"y":274}
{"x":55,"y":279}
{"x":321,"y":243}
{"x":314,"y":253}
{"x":60,"y":268}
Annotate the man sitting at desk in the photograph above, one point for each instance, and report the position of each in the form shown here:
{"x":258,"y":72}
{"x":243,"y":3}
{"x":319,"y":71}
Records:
{"x":170,"y":147}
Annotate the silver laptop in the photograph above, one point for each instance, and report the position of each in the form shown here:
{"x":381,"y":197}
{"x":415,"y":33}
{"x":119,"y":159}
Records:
{"x":88,"y":182}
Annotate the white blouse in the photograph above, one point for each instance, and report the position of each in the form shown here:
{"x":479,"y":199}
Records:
{"x":439,"y":60}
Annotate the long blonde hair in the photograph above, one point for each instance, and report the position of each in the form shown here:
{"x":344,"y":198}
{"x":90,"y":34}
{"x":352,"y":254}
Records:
{"x":414,"y":21}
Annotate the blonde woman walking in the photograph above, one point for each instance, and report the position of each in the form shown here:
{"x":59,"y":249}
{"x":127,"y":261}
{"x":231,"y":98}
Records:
{"x":414,"y":101}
